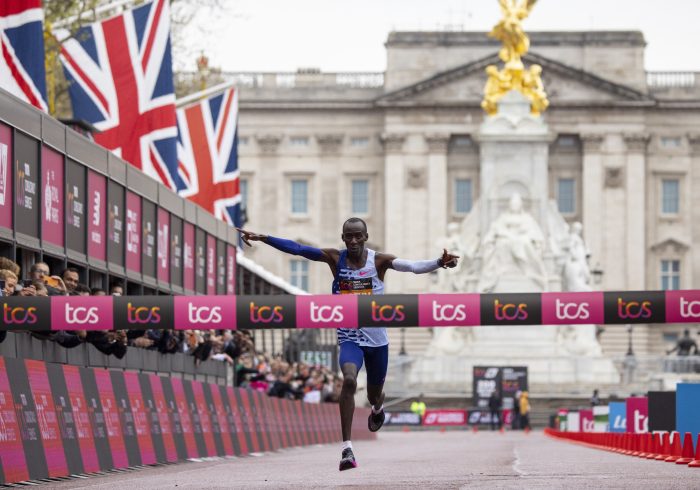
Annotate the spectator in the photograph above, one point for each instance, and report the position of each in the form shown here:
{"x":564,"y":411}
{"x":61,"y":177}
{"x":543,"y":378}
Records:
{"x":41,"y":288}
{"x":81,"y":289}
{"x":71,"y":278}
{"x":116,"y":289}
{"x":9,"y":265}
{"x":524,"y":411}
{"x":98,"y":292}
{"x":418,"y":406}
{"x":595,"y":398}
{"x":685,"y":345}
{"x":515,"y":423}
{"x":10,"y":279}
{"x":495,"y":410}
{"x":40,"y":272}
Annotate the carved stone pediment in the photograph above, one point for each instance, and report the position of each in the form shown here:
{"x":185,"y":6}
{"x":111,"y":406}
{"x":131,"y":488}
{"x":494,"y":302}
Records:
{"x":670,"y":246}
{"x":269,"y":143}
{"x":329,"y":143}
{"x":614,"y":177}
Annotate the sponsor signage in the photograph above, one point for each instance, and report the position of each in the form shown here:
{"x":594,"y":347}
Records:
{"x":76,"y":188}
{"x":115,"y":223}
{"x":230,"y":269}
{"x":638,"y":415}
{"x":683,"y":306}
{"x":143,"y":312}
{"x":148,"y":223}
{"x":635,"y":307}
{"x":133,"y":232}
{"x":586,"y":421}
{"x":5,"y":177}
{"x":445,"y":417}
{"x":176,"y":250}
{"x":388,"y":310}
{"x":188,"y":257}
{"x":513,"y":379}
{"x":97,"y":216}
{"x":662,"y":411}
{"x":573,"y":421}
{"x":81,"y":313}
{"x":26,"y":189}
{"x":511,"y":309}
{"x":266,"y":311}
{"x":402,"y":418}
{"x":163,"y":242}
{"x":327,"y":311}
{"x":563,"y":419}
{"x":601,"y":415}
{"x":484,"y":417}
{"x":446,"y":310}
{"x":205,"y":312}
{"x":52,"y":196}
{"x":485,"y":379}
{"x":25,"y":313}
{"x":687,"y":403}
{"x":220,"y":267}
{"x":618,"y":416}
{"x":211,"y":264}
{"x":572,"y":308}
{"x":200,"y":261}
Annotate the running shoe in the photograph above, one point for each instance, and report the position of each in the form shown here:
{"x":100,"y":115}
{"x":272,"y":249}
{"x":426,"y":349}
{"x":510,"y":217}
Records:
{"x":348,"y":460}
{"x":375,"y":421}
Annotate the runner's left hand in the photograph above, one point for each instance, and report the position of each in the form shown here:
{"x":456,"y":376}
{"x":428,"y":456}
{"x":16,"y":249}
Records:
{"x":448,"y":260}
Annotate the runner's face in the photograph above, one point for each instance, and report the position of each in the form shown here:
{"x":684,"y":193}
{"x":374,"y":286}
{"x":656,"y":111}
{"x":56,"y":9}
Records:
{"x":354,"y":236}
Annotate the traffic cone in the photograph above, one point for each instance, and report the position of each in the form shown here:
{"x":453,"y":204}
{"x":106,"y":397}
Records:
{"x":687,"y":455}
{"x":527,"y":429}
{"x":654,"y":448}
{"x":696,"y":462}
{"x":406,"y":428}
{"x":475,"y":428}
{"x":442,"y":429}
{"x":502,"y":429}
{"x":676,"y":450}
{"x":645,"y":445}
{"x":664,"y":449}
{"x":636,"y":445}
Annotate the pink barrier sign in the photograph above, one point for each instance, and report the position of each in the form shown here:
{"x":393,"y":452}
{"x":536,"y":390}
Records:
{"x":638,"y":414}
{"x":572,"y":308}
{"x":327,"y":311}
{"x":448,"y":310}
{"x":200,"y":312}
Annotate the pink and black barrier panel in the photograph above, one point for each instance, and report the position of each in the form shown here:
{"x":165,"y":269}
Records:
{"x":347,"y":311}
{"x":59,"y":420}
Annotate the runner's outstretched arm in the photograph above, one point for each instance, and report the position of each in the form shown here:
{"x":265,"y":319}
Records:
{"x":290,"y":246}
{"x":386,"y":261}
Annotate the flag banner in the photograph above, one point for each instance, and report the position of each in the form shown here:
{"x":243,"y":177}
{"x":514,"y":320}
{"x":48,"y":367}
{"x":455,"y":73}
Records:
{"x":121,"y":81}
{"x":207,"y":152}
{"x":22,"y":71}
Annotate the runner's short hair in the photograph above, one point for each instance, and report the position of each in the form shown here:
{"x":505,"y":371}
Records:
{"x":355,"y":220}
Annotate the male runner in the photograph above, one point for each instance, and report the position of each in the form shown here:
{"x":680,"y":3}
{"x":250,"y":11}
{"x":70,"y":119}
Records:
{"x":357,"y":270}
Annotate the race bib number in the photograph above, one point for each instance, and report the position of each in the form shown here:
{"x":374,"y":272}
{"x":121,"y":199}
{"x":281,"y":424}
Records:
{"x":356,"y":286}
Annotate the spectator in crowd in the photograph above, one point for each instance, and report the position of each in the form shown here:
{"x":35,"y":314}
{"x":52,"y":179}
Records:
{"x":685,"y":346}
{"x":495,"y":410}
{"x":81,"y":289}
{"x":515,"y":422}
{"x":116,"y":289}
{"x":98,"y":292}
{"x":524,"y":411}
{"x":418,"y":406}
{"x":10,"y":279}
{"x":595,"y":398}
{"x":40,"y":272}
{"x":9,"y":265}
{"x":71,"y":278}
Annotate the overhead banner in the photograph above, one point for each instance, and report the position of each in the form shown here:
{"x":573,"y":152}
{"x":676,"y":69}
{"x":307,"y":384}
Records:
{"x":59,"y":420}
{"x":52,"y":196}
{"x":76,"y":191}
{"x":5,"y":177}
{"x":26,"y":188}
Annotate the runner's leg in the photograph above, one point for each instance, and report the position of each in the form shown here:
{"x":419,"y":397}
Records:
{"x":350,"y":360}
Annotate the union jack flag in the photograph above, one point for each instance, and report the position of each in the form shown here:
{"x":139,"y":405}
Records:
{"x":121,"y":81}
{"x":207,"y":154}
{"x":22,"y":51}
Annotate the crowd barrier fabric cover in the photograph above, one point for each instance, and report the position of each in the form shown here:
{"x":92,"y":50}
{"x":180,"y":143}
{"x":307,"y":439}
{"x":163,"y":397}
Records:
{"x":662,"y":411}
{"x":58,"y":420}
{"x":347,"y":311}
{"x":618,"y":416}
{"x":637,"y":414}
{"x":688,"y":408}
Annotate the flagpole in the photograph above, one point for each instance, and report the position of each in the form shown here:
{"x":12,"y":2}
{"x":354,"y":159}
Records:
{"x":94,"y":12}
{"x":204,"y":93}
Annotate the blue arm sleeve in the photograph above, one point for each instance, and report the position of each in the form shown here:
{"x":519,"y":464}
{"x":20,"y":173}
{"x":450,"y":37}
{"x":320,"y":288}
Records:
{"x":294,"y":248}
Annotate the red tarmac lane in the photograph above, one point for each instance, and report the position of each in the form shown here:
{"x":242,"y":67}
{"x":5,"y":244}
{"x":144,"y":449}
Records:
{"x":453,"y":459}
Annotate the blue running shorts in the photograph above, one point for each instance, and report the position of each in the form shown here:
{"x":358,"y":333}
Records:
{"x":376,"y":360}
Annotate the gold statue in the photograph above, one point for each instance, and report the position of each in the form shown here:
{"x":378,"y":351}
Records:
{"x":514,"y":76}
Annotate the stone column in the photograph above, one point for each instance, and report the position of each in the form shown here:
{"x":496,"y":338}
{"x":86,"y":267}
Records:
{"x":437,"y":188}
{"x":694,"y":255}
{"x":592,"y":199}
{"x":394,"y":218}
{"x":330,"y":145}
{"x":636,"y":249}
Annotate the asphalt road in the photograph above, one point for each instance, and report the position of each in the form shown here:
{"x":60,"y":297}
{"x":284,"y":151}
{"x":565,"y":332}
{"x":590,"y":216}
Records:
{"x":416,"y":460}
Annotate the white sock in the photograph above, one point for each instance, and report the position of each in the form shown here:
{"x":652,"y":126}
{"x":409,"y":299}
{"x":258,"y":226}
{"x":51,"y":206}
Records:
{"x":377,"y":410}
{"x":346,"y":445}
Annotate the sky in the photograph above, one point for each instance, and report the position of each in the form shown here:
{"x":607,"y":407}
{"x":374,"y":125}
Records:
{"x":344,"y":35}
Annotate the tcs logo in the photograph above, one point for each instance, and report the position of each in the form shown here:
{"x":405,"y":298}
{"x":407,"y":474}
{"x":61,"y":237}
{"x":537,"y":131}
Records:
{"x":203,"y":314}
{"x":266,"y":314}
{"x":19,"y":315}
{"x":387,"y":313}
{"x":321,"y":313}
{"x":142,"y":314}
{"x":633,"y":309}
{"x":509,"y":311}
{"x":690,"y":309}
{"x":449,"y":313}
{"x":81,"y":315}
{"x":572,"y":311}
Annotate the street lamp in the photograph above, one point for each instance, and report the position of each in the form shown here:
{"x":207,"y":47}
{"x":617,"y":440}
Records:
{"x":402,"y":350}
{"x":597,"y":274}
{"x":630,"y":362}
{"x":630,"y":350}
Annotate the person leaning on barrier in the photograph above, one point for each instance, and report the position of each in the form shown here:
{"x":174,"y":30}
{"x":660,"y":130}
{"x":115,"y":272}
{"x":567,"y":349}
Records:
{"x":685,"y":346}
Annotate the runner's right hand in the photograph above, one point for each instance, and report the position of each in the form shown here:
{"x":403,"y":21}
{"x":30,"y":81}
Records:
{"x":249,"y":235}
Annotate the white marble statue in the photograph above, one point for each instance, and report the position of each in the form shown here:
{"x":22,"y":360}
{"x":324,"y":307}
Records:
{"x":576,"y":272}
{"x":513,"y":246}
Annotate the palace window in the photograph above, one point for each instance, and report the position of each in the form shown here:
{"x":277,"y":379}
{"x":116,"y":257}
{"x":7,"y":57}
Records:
{"x":360,"y":196}
{"x":670,"y":196}
{"x":300,"y":194}
{"x":299,"y":274}
{"x":244,"y":193}
{"x":670,"y":274}
{"x":566,"y":196}
{"x":299,"y":141}
{"x":359,"y":142}
{"x":463,"y":196}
